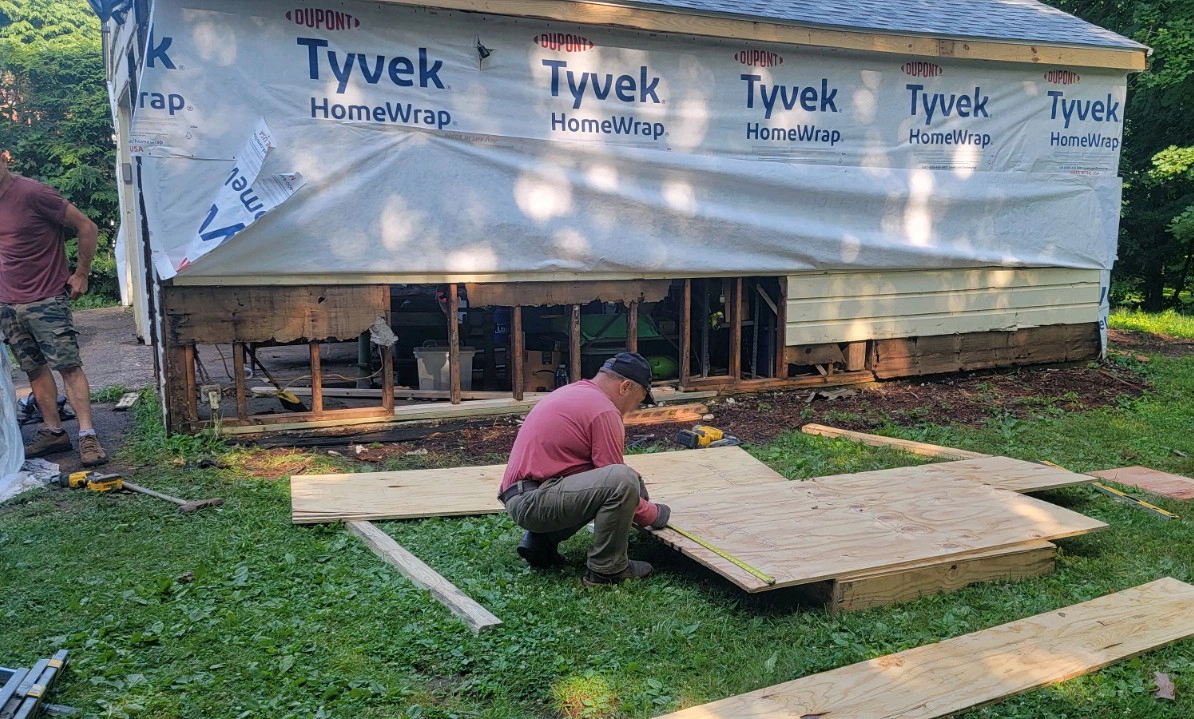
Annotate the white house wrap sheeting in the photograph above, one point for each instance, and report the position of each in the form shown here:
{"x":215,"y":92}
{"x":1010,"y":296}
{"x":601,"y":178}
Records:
{"x":12,"y":450}
{"x":579,"y":149}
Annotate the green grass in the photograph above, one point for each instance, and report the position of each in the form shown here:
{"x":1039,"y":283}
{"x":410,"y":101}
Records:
{"x":94,"y":302}
{"x":238,"y":613}
{"x":109,"y":395}
{"x":1168,"y":322}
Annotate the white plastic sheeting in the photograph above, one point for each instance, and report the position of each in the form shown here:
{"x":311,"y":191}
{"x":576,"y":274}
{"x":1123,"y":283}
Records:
{"x":12,"y":449}
{"x":580,"y":149}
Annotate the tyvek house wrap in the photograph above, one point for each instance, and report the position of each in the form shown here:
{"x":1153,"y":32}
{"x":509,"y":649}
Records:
{"x":574,"y":149}
{"x":12,"y":450}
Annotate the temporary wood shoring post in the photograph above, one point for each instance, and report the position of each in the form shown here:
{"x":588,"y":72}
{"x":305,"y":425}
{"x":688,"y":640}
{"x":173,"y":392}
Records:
{"x":686,"y":335}
{"x":454,"y":342}
{"x":904,"y":445}
{"x":192,"y":387}
{"x":781,"y":329}
{"x":238,"y":369}
{"x":703,"y":319}
{"x":387,"y":378}
{"x":735,"y":318}
{"x":470,"y":612}
{"x":574,"y":349}
{"x":517,"y":381}
{"x":632,"y":328}
{"x":316,"y":381}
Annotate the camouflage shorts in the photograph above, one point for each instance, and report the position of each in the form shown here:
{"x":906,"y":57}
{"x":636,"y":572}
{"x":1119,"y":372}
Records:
{"x":41,"y":333}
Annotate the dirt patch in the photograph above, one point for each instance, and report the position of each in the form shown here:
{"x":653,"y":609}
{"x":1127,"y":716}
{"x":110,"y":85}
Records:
{"x":1148,"y":343}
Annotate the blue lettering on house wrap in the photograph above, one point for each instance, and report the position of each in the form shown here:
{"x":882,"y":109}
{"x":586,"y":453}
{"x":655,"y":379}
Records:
{"x":626,"y":88}
{"x":398,"y":69}
{"x":1097,"y":110}
{"x":940,"y":104}
{"x":811,"y":99}
{"x":156,"y":51}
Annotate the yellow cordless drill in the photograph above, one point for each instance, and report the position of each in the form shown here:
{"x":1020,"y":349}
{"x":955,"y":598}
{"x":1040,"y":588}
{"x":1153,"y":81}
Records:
{"x":703,"y":435}
{"x":93,"y":481}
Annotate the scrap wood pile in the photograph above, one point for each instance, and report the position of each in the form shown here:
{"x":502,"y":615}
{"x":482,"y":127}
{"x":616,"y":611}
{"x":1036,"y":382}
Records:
{"x":896,"y":535}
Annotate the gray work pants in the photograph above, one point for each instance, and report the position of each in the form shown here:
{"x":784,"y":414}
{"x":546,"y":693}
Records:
{"x":608,"y":497}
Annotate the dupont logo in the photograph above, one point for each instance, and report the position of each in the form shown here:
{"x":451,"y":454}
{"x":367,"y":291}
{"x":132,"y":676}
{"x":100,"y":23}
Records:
{"x":563,"y":41}
{"x":922,"y":69}
{"x":759,"y":58}
{"x":1063,"y":77}
{"x":322,"y":19}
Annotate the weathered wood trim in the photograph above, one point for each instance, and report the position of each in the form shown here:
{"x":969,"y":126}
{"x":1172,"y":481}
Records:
{"x":219,"y":315}
{"x":762,"y":30}
{"x":904,"y":445}
{"x":985,"y":350}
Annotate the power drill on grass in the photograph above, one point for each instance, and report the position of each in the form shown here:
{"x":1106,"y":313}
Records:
{"x":703,"y":435}
{"x":94,"y":481}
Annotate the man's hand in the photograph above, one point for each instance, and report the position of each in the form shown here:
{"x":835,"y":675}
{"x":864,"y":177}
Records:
{"x":78,"y":285}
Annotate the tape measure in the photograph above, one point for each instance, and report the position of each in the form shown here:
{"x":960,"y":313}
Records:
{"x":766,"y":578}
{"x":1113,"y":492}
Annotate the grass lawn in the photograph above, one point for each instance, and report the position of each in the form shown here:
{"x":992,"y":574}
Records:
{"x":238,"y":613}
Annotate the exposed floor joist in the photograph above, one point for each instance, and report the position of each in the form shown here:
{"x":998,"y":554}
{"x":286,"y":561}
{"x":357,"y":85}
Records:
{"x":940,"y":679}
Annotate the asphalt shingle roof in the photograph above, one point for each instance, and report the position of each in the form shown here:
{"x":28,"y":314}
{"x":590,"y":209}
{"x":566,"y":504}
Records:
{"x":1002,"y":20}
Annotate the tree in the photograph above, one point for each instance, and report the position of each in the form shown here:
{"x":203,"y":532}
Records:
{"x":54,"y":112}
{"x":1157,"y":230}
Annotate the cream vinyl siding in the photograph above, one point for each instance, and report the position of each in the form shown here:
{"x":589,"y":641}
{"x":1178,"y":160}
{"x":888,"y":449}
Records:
{"x":853,"y":306}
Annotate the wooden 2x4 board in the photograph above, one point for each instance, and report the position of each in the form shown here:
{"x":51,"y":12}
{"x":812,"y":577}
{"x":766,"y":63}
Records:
{"x":803,"y":532}
{"x":941,"y":679}
{"x":458,"y":491}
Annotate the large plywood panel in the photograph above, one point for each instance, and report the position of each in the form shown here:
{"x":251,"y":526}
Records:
{"x":458,"y":491}
{"x":802,"y":532}
{"x":941,"y":679}
{"x":1003,"y":472}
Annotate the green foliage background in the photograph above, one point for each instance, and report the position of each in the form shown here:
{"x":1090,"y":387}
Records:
{"x":54,"y":114}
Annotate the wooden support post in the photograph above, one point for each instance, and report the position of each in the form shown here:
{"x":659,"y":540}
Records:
{"x":574,"y":350}
{"x":454,"y":341}
{"x":316,"y":380}
{"x":632,"y":328}
{"x":192,"y":387}
{"x":470,"y":612}
{"x":686,"y":335}
{"x":781,"y":329}
{"x":517,"y":380}
{"x":174,"y":370}
{"x":238,"y":369}
{"x":387,"y":379}
{"x":735,"y":318}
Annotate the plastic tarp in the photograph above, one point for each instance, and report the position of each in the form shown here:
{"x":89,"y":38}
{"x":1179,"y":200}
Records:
{"x":12,"y":449}
{"x":436,"y":143}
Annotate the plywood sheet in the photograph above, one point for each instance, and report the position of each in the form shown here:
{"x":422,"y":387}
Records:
{"x":473,"y":490}
{"x":940,"y":679}
{"x":801,"y":532}
{"x":1150,"y":480}
{"x":1004,"y":472}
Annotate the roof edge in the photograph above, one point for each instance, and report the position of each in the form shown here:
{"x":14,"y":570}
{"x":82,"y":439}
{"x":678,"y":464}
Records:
{"x":653,"y":19}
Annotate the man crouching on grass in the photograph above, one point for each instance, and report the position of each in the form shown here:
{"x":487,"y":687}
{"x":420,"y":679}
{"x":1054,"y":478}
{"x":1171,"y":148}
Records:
{"x":566,"y":470}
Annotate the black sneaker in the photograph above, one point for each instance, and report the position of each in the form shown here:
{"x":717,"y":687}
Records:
{"x":539,"y":551}
{"x":633,"y":570}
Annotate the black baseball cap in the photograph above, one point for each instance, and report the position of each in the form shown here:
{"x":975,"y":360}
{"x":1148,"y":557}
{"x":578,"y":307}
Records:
{"x":634,"y":367}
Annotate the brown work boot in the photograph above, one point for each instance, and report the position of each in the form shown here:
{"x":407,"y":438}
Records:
{"x":91,"y":454}
{"x":46,"y":442}
{"x":633,"y":570}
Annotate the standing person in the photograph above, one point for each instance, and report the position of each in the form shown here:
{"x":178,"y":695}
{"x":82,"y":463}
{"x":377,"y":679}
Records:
{"x":566,"y":470}
{"x":36,"y":289}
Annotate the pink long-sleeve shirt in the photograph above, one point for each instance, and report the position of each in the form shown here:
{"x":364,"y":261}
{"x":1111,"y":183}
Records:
{"x":574,"y":429}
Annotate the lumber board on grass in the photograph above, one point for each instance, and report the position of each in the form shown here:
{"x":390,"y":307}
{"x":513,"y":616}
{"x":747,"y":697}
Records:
{"x":875,"y":589}
{"x":473,"y":614}
{"x":976,"y":669}
{"x":890,"y":519}
{"x":1150,"y":480}
{"x":904,"y":445}
{"x":458,"y":491}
